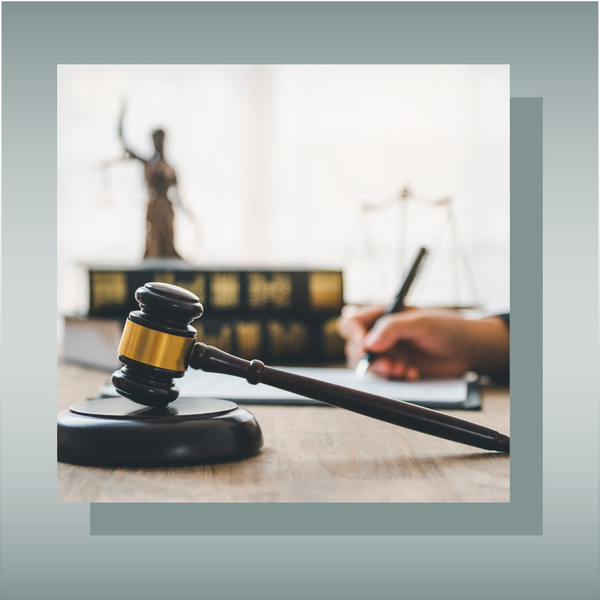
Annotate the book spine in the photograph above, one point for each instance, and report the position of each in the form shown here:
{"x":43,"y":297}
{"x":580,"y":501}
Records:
{"x":275,"y":341}
{"x":247,"y":293}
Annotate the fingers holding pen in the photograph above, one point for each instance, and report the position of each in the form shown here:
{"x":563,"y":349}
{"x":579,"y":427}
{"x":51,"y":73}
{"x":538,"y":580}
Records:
{"x":389,"y":330}
{"x":369,"y":330}
{"x":387,"y":338}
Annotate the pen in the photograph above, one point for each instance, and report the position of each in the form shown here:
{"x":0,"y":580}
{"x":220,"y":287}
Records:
{"x":396,"y":306}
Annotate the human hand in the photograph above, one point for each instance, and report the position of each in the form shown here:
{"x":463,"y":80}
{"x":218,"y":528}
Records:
{"x":422,"y":342}
{"x":353,"y":326}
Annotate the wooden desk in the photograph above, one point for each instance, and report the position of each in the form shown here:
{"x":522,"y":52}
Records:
{"x":311,"y":454}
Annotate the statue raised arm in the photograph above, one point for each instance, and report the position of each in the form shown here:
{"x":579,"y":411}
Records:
{"x":161,"y":182}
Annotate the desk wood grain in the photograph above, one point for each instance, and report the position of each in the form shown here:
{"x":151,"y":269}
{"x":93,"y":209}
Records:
{"x":311,"y":454}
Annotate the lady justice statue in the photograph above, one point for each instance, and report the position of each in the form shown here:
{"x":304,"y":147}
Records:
{"x":161,"y":181}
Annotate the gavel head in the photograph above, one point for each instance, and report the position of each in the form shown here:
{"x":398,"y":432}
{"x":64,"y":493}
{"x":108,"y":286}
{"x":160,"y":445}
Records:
{"x":157,"y":343}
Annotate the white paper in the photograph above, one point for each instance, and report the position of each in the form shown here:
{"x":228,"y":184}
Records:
{"x":215,"y":385}
{"x":198,"y":384}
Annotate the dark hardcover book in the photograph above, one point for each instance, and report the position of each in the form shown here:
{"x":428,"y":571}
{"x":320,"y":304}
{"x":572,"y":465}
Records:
{"x":247,"y":293}
{"x":94,"y":341}
{"x":275,"y":341}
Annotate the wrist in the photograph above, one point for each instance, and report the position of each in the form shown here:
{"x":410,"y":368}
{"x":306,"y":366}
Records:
{"x":490,"y":343}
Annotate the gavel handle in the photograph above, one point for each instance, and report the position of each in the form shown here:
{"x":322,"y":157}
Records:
{"x":404,"y":414}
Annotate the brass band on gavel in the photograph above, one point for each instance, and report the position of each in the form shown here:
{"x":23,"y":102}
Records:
{"x":155,"y":348}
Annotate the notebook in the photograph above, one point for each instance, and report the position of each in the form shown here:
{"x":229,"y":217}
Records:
{"x":459,"y":393}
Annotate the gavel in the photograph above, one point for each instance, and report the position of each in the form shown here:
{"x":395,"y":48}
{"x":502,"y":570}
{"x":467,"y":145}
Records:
{"x":159,"y":344}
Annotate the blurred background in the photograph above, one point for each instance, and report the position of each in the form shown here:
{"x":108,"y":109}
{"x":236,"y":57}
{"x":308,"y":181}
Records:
{"x":309,"y":166}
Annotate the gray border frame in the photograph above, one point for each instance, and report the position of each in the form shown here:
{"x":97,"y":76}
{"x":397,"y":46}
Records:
{"x":552,"y":51}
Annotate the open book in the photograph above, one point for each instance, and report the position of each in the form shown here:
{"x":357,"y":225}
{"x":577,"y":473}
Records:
{"x":460,"y":393}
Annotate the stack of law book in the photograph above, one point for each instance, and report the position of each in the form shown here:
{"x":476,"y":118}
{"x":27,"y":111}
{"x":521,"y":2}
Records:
{"x":282,"y":316}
